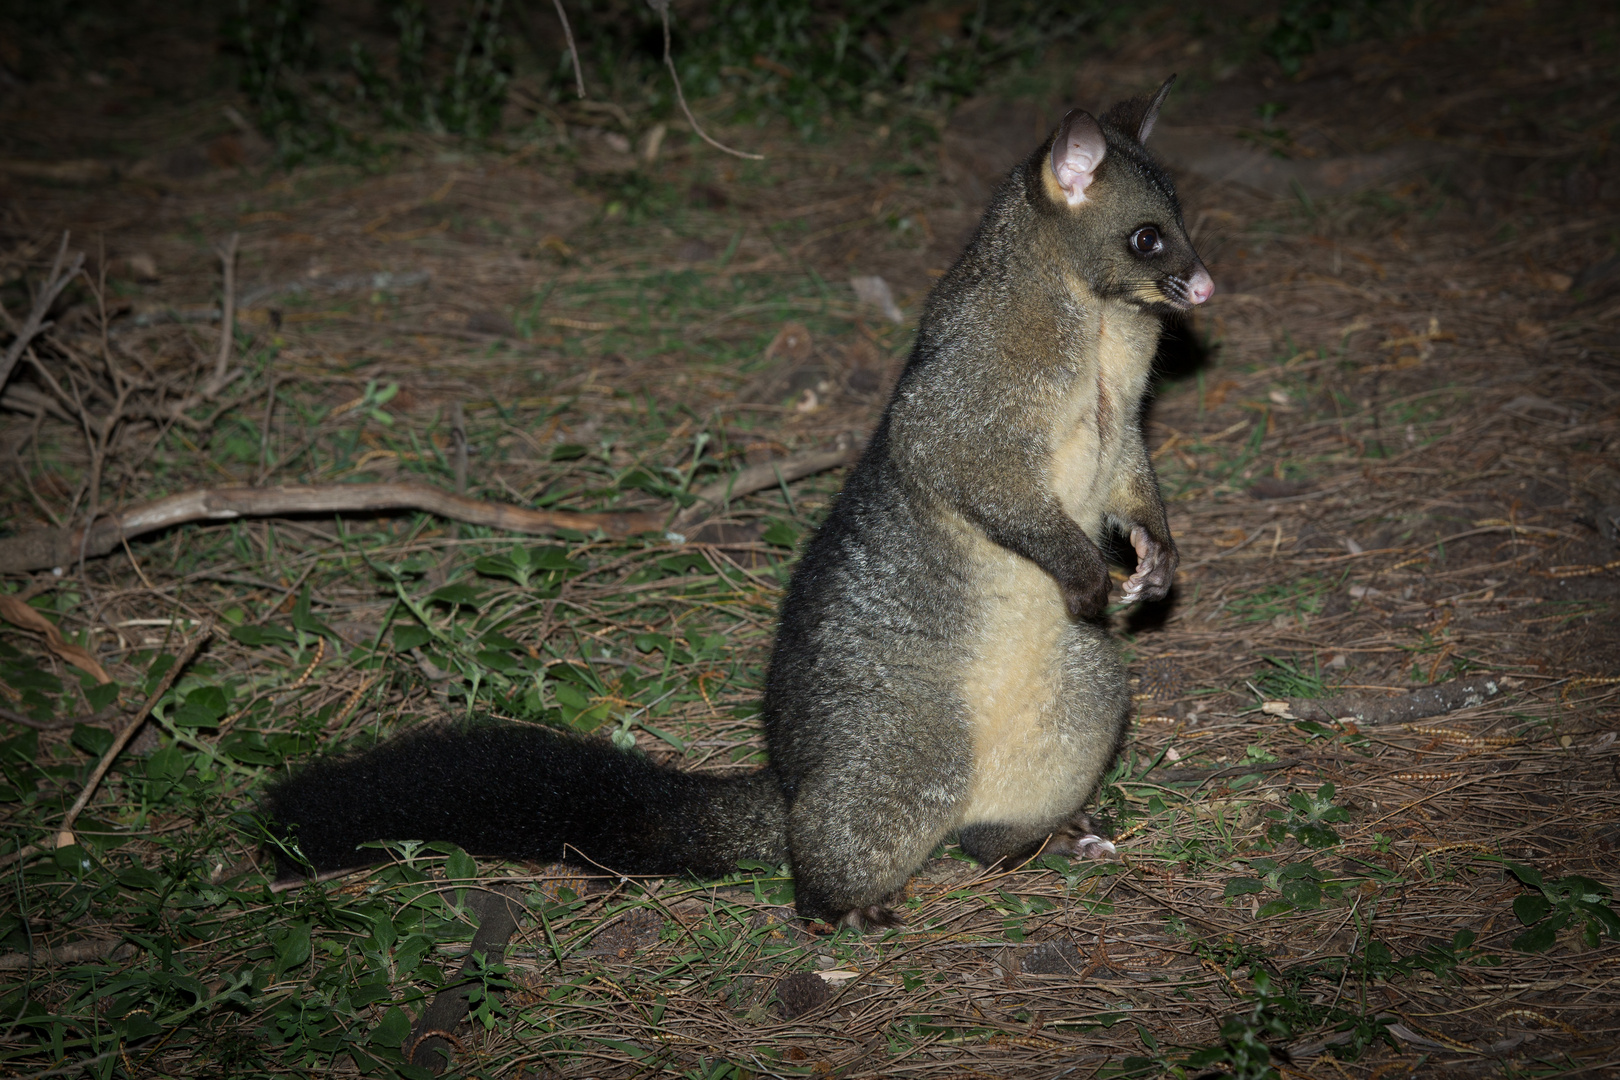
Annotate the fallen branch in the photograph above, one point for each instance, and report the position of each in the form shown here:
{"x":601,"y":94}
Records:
{"x":47,"y":549}
{"x":44,"y":549}
{"x":1367,"y":709}
{"x":35,"y":322}
{"x":74,"y":952}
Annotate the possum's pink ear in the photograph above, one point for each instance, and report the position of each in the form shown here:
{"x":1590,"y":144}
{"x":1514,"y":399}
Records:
{"x":1076,"y":154}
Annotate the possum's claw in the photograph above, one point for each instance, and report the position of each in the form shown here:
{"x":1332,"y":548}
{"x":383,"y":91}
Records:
{"x":1079,"y":840}
{"x":1155,"y":567}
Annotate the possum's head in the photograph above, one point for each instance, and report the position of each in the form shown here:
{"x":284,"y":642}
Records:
{"x":1116,"y":210}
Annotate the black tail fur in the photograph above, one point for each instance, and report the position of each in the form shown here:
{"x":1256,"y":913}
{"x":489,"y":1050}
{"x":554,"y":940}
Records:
{"x":528,"y":793}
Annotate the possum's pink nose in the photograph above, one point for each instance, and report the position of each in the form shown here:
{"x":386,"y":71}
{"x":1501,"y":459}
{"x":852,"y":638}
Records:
{"x":1200,"y":286}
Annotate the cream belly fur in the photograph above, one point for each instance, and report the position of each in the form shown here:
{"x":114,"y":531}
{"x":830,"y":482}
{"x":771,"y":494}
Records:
{"x":1031,"y":763}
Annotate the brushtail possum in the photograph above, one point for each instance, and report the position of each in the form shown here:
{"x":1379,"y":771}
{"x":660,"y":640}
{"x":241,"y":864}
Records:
{"x":939,"y":668}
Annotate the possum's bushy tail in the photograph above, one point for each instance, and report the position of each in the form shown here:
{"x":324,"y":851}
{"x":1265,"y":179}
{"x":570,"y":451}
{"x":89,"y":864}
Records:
{"x":516,"y":792}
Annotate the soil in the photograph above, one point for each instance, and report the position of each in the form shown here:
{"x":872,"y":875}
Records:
{"x":1390,"y":444}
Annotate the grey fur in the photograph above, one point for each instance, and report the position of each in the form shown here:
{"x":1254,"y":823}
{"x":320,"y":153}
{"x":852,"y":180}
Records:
{"x":867,"y":704}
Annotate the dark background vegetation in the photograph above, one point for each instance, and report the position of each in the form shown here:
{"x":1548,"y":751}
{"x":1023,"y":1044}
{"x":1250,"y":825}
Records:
{"x":1389,"y":447}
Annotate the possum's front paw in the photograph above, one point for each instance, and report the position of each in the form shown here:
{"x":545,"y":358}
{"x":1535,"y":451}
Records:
{"x":1086,"y":593}
{"x":1155,"y":567}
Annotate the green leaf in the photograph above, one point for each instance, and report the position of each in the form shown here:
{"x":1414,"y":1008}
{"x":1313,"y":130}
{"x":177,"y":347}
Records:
{"x":552,"y":557}
{"x":409,"y":636}
{"x":1276,"y":907}
{"x":1304,"y":894}
{"x":1580,"y":888}
{"x":204,"y":707}
{"x":497,"y":661}
{"x":459,"y":866}
{"x":248,"y":747}
{"x":1526,"y":874}
{"x":72,"y":858}
{"x":392,"y":1028}
{"x":167,"y":763}
{"x":382,"y":928}
{"x":570,"y":698}
{"x":292,"y":946}
{"x":156,"y":670}
{"x":1317,"y":835}
{"x":1530,"y":908}
{"x":458,"y":593}
{"x":781,"y":534}
{"x":139,"y":877}
{"x":255,"y":636}
{"x":652,"y":643}
{"x":92,"y":740}
{"x":304,"y":619}
{"x":1537,"y":939}
{"x":500,"y":566}
{"x":1243,"y":886}
{"x":1602,"y":914}
{"x":101,"y":695}
{"x":139,"y":1026}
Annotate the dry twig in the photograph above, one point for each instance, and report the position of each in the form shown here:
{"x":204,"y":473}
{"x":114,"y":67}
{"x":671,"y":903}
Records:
{"x":35,"y":323}
{"x":227,"y":321}
{"x":573,"y":50}
{"x":662,"y":7}
{"x":64,"y":835}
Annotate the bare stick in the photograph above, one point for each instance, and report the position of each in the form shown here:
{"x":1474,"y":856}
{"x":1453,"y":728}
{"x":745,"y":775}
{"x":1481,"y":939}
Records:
{"x":74,"y":952}
{"x":573,"y":51}
{"x":662,"y":7}
{"x":64,"y":835}
{"x":759,"y":477}
{"x":227,"y":320}
{"x":44,"y":549}
{"x":31,"y":327}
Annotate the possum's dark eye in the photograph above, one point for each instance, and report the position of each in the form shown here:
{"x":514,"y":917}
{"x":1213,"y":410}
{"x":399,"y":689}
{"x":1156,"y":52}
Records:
{"x":1145,"y":241}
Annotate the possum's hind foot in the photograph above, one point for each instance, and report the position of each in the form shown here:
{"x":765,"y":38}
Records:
{"x":871,"y":917}
{"x":1080,"y":840}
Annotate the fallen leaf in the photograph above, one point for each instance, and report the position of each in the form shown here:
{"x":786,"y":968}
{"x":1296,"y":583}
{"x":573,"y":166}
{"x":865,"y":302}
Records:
{"x":19,"y":614}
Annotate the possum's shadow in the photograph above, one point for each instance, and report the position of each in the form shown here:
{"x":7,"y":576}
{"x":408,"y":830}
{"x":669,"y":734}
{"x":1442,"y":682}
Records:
{"x":1183,"y":352}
